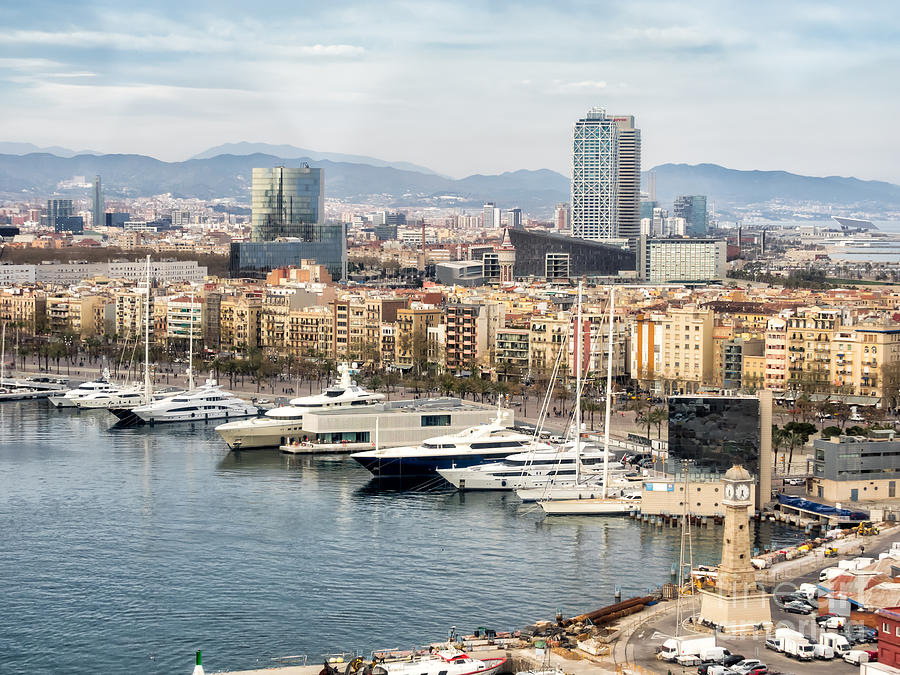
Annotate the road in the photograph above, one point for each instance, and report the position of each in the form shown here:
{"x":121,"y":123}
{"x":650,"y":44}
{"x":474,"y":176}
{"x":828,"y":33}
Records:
{"x":643,"y":643}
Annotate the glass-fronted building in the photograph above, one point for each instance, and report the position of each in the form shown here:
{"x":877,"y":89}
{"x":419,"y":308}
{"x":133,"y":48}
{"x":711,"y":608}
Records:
{"x":693,"y":209}
{"x":287,"y":202}
{"x":714,"y":433}
{"x":326,"y":244}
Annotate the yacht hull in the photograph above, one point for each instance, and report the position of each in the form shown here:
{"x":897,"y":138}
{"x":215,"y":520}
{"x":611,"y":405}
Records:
{"x":401,"y":468}
{"x":249,"y":437}
{"x":589,"y":507}
{"x":61,"y":402}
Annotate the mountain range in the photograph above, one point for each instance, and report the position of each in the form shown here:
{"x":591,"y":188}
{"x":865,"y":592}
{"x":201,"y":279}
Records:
{"x":393,"y":184}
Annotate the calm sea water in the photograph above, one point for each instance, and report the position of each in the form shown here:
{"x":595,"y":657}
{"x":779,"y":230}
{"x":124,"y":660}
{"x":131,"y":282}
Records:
{"x":126,"y":550}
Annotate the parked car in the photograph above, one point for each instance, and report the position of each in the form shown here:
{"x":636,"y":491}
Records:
{"x":795,"y":481}
{"x":732,"y":659}
{"x":797,"y":607}
{"x":712,"y":669}
{"x":748,"y":666}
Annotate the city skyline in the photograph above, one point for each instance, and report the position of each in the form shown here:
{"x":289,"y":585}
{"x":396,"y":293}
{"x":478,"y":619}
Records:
{"x":707,"y":86}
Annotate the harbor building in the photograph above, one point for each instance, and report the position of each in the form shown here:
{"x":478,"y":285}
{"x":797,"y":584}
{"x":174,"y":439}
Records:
{"x":675,"y":259}
{"x":391,"y":423}
{"x":708,"y":435}
{"x":606,"y":177}
{"x":855,"y":469}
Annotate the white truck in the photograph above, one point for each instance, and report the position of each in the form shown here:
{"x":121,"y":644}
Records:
{"x":837,"y":642}
{"x":686,"y":651}
{"x":856,"y":657}
{"x":799,"y":648}
{"x":811,"y":591}
{"x":823,"y":652}
{"x":715,"y":654}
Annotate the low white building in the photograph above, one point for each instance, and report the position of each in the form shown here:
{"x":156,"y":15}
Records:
{"x":674,"y":259}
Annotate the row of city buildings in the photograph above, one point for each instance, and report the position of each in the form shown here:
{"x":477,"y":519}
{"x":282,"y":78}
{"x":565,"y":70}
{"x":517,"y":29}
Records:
{"x":668,"y":339}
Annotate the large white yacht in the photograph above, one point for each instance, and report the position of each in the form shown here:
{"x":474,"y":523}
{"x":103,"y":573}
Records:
{"x":68,"y":399}
{"x":207,"y":402}
{"x":530,"y":470}
{"x":279,"y":424}
{"x":475,"y":445}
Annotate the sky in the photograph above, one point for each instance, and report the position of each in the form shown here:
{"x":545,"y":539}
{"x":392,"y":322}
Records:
{"x":461,"y":87}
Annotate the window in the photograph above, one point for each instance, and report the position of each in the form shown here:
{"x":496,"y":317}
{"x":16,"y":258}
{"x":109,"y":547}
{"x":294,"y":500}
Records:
{"x":435,"y":420}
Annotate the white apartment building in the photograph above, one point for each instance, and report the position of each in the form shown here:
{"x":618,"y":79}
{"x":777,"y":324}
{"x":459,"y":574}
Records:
{"x":665,"y":260}
{"x":160,"y":271}
{"x":17,"y":274}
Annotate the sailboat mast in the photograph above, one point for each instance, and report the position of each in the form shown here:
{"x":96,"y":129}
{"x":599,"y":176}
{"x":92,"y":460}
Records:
{"x":191,"y":347}
{"x":3,"y":355}
{"x":609,"y":370}
{"x":579,"y":341}
{"x":147,"y":338}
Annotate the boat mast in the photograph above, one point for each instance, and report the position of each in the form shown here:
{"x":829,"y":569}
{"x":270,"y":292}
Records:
{"x":3,"y":355}
{"x":579,"y":352}
{"x":147,"y":387}
{"x":609,"y":370}
{"x":191,"y":347}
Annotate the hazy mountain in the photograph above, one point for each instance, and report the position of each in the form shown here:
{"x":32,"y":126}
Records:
{"x":230,"y":176}
{"x":733,"y":187}
{"x":9,"y":148}
{"x":293,"y":152}
{"x":536,"y":192}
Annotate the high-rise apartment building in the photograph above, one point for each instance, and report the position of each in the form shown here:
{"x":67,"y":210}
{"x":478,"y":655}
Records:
{"x":693,"y":209}
{"x":562,"y":219}
{"x":287,"y":202}
{"x":491,"y":216}
{"x":606,"y":177}
{"x":58,"y":208}
{"x":514,"y":219}
{"x":98,"y":210}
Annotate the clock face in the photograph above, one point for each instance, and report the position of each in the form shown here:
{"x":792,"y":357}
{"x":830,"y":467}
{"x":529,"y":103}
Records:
{"x":742,"y":492}
{"x":729,"y":491}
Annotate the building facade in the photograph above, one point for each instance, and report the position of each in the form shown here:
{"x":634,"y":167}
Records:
{"x":286,"y":202}
{"x":606,"y":180}
{"x":674,"y":259}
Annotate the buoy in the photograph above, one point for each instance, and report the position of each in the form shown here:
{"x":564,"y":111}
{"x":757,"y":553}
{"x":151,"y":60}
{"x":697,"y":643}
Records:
{"x":672,"y":571}
{"x":198,"y":669}
{"x":618,"y":592}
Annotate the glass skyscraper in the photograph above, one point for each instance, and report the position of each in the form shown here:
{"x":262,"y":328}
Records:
{"x":98,"y":211}
{"x":606,"y":177}
{"x":287,"y":202}
{"x":693,"y":209}
{"x":288,"y":225}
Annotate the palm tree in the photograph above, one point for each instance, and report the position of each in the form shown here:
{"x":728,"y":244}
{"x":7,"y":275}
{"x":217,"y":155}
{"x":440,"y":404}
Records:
{"x":657,"y":416}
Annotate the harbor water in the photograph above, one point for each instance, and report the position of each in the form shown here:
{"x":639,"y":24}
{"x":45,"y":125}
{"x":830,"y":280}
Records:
{"x":126,"y":550}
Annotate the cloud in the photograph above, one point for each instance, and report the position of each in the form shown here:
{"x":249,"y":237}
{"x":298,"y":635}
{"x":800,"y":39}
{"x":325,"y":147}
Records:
{"x":585,"y":84}
{"x":330,"y":50}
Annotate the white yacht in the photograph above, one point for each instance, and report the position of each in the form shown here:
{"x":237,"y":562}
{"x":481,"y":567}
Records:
{"x":598,"y":506}
{"x":116,"y":397}
{"x":208,"y":402}
{"x":530,"y":470}
{"x":448,"y":661}
{"x":475,"y":445}
{"x":68,"y":399}
{"x":279,"y":424}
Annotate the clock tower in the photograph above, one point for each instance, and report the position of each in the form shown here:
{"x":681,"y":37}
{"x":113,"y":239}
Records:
{"x":736,"y":575}
{"x":736,"y":606}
